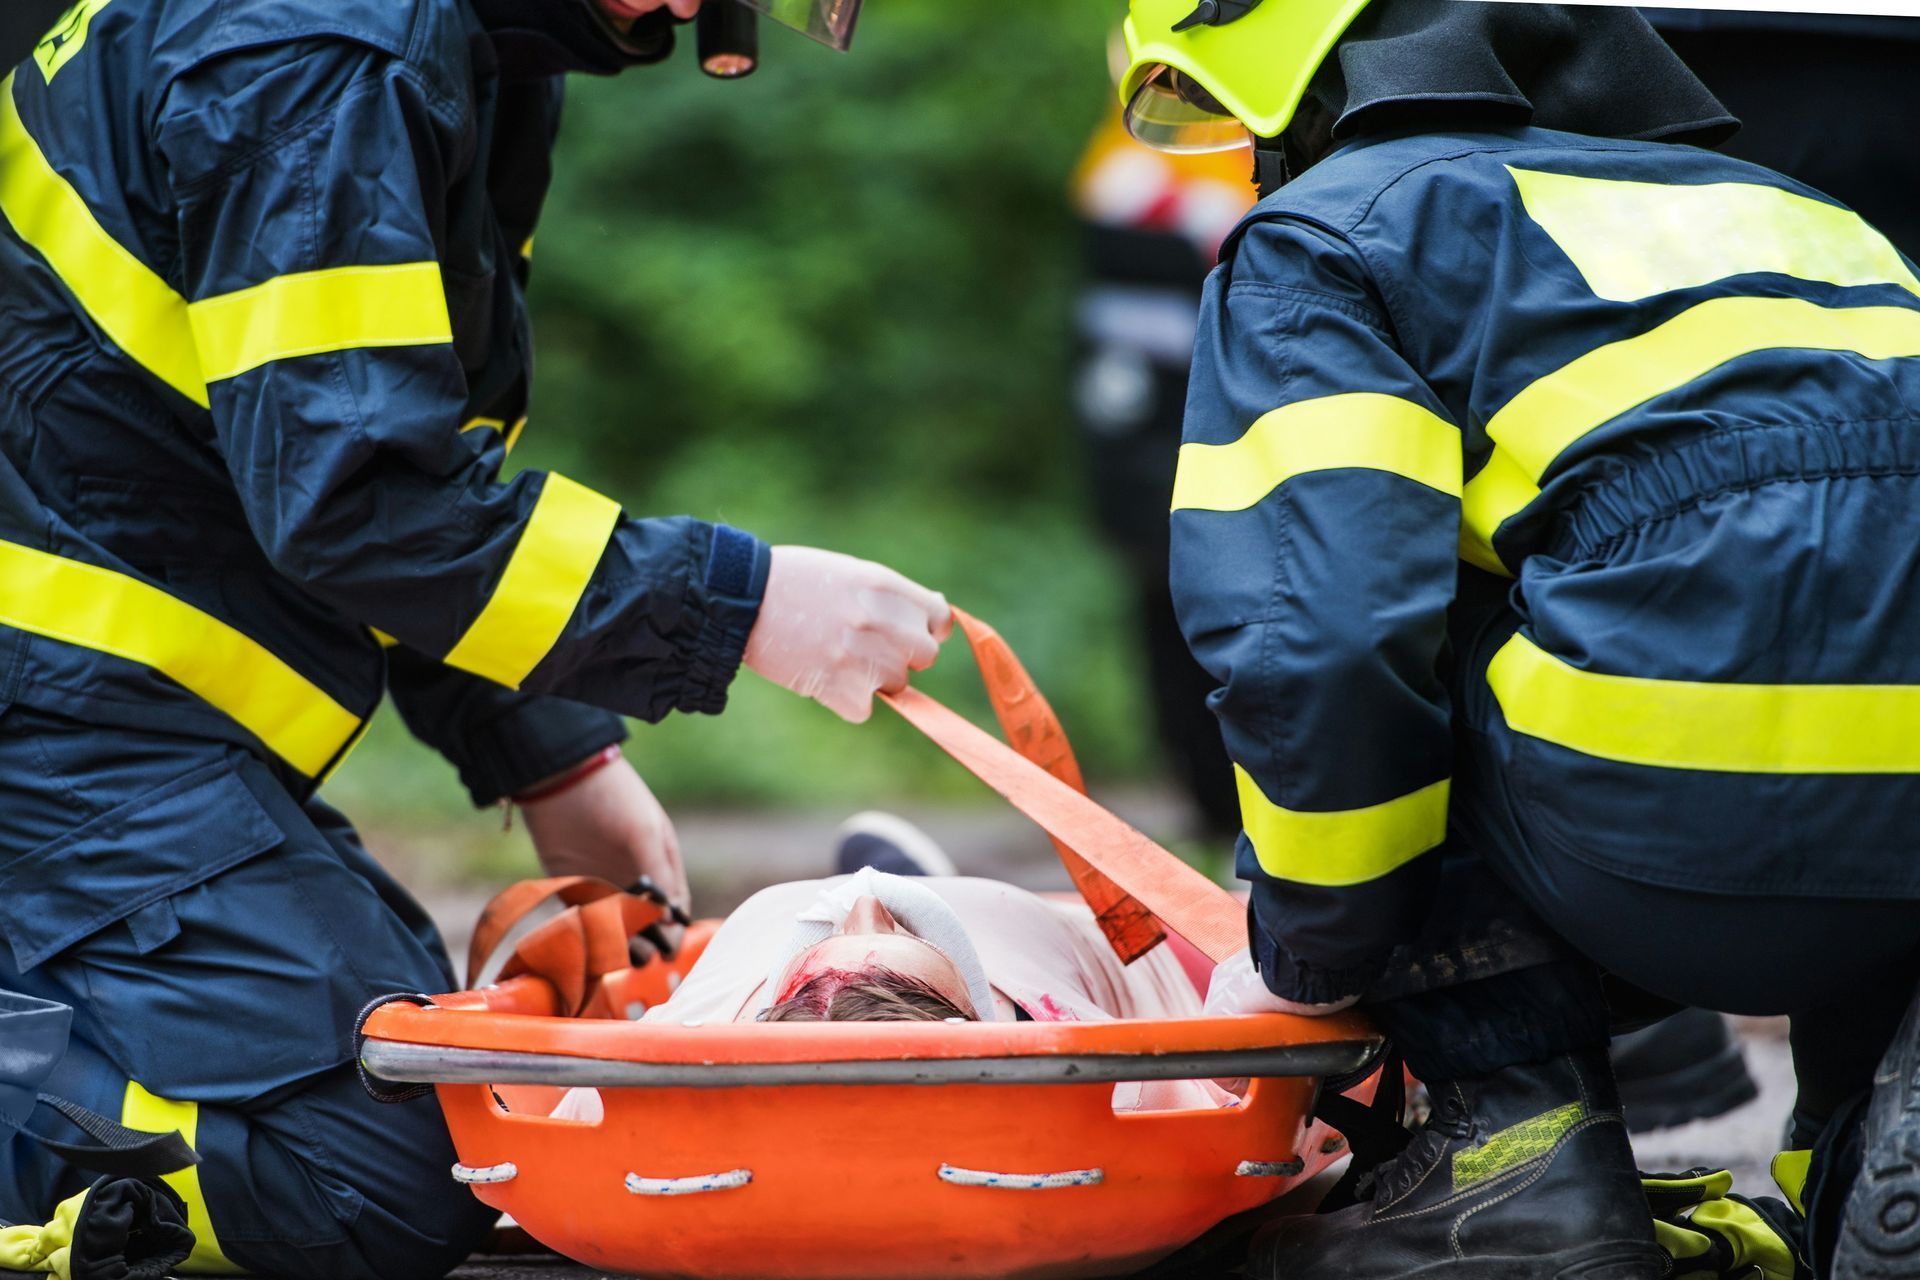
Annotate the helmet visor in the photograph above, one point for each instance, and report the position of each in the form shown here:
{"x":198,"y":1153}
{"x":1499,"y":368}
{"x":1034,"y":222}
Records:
{"x":1171,"y":111}
{"x":828,"y":21}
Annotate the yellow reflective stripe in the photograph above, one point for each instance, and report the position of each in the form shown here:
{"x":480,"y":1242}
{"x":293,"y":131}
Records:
{"x":312,"y":312}
{"x":1343,"y":847}
{"x":149,"y":1114}
{"x":187,"y":345}
{"x":97,"y":608}
{"x":1497,"y":492}
{"x":68,"y":37}
{"x":131,"y":304}
{"x":1632,"y":240}
{"x":550,"y":569}
{"x":1361,"y":429}
{"x":1514,"y":1146}
{"x":1549,"y":415}
{"x":1539,"y":424}
{"x":1688,"y":724}
{"x":509,"y":435}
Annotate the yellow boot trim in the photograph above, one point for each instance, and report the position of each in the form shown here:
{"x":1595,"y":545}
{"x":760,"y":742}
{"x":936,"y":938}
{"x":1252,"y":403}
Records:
{"x":150,"y":1114}
{"x":1512,"y":1147}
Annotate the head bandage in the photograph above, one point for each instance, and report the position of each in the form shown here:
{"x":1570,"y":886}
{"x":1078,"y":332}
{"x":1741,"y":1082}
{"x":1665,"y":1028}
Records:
{"x":920,"y":910}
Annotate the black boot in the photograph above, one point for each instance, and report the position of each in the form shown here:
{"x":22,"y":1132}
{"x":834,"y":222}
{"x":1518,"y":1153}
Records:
{"x":1682,"y":1068}
{"x":1524,"y":1174}
{"x":1880,"y":1233}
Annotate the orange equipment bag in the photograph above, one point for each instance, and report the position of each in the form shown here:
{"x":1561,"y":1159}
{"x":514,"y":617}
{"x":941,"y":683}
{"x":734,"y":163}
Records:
{"x":840,"y":1151}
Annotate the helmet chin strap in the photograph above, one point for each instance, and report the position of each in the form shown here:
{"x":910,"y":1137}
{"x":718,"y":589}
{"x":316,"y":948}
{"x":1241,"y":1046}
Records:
{"x":1271,"y":170}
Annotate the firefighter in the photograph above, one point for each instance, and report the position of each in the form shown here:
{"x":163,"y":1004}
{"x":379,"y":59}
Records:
{"x":262,"y":267}
{"x":1544,"y":514}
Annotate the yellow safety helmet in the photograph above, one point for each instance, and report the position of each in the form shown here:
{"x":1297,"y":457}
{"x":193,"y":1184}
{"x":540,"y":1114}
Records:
{"x":1202,"y":76}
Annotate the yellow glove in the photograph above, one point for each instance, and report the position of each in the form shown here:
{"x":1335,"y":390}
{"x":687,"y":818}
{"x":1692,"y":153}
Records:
{"x":117,"y":1229}
{"x":1710,"y":1233}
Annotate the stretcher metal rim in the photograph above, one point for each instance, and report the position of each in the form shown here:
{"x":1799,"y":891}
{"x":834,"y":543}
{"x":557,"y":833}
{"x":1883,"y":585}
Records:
{"x":424,"y":1064}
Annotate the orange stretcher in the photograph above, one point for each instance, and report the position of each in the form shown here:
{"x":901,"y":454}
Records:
{"x":839,"y":1151}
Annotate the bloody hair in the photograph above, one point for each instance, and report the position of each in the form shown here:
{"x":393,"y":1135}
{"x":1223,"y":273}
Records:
{"x":866,"y":995}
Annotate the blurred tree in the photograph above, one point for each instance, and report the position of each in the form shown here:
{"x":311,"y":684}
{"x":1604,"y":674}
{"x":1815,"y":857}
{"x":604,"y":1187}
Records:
{"x":831,"y":304}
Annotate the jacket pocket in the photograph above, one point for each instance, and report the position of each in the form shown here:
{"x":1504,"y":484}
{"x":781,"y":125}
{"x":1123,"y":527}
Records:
{"x":216,"y":946}
{"x":128,"y":863}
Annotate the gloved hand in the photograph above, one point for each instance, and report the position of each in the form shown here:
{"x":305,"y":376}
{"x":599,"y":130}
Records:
{"x":610,"y":825}
{"x":1709,"y":1233}
{"x":117,"y":1229}
{"x":838,"y":630}
{"x":1237,"y":987}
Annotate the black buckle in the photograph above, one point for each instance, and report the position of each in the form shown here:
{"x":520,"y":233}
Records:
{"x":1216,"y":13}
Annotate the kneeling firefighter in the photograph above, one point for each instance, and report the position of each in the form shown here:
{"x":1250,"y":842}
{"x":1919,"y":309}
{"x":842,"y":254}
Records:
{"x":1545,"y":512}
{"x":265,"y":346}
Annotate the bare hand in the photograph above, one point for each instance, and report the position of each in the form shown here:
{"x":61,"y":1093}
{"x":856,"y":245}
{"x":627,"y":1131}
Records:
{"x":640,"y":8}
{"x":610,"y":825}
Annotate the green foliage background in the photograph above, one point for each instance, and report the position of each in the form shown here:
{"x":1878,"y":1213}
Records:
{"x":831,"y":304}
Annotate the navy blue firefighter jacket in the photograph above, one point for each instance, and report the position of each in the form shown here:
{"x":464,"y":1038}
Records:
{"x":1656,"y":404}
{"x":263,"y":349}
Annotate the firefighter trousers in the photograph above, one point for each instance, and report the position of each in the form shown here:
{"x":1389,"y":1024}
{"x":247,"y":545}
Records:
{"x":216,"y":939}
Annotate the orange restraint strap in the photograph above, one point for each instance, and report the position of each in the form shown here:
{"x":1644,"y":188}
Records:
{"x":1134,"y":886}
{"x":1123,"y":875}
{"x":584,"y":943}
{"x":1035,"y":732}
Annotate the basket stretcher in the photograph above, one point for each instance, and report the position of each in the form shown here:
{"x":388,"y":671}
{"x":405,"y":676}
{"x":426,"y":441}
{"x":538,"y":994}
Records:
{"x":842,"y":1151}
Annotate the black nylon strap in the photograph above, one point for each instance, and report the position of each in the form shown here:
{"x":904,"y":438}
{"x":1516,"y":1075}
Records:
{"x":380,"y":1090}
{"x":1270,"y":168}
{"x":116,"y":1149}
{"x":1374,"y":1131}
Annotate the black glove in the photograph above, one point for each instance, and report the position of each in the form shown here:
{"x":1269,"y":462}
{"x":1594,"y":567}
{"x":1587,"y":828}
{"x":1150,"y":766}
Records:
{"x":117,"y":1229}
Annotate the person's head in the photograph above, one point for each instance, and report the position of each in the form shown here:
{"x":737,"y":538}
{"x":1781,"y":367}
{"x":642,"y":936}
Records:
{"x":871,"y":969}
{"x":1296,"y":77}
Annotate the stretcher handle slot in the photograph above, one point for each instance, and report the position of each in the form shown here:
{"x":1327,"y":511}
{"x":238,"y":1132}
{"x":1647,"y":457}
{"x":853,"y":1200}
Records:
{"x":429,"y":1064}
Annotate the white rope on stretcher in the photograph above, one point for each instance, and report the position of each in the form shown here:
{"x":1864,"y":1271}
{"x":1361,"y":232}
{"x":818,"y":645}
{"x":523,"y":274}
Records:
{"x":1022,"y":1181}
{"x":1270,"y":1168}
{"x":486,"y":1175}
{"x":732,"y":1180}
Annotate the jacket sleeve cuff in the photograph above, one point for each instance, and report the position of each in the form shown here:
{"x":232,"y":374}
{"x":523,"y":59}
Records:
{"x":727,"y":598}
{"x":1295,"y":978}
{"x":533,"y":739}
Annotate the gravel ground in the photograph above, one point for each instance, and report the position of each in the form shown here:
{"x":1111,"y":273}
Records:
{"x":733,"y":856}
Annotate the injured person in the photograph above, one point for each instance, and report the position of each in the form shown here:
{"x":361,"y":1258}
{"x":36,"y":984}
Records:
{"x":898,"y":936}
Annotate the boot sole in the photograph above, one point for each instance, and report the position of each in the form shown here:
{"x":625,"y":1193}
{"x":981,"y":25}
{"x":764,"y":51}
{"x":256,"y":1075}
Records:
{"x":1880,"y":1238}
{"x":1880,"y":1231}
{"x":1698,"y":1091}
{"x":1613,"y":1263}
